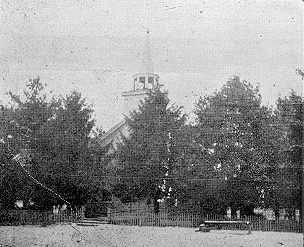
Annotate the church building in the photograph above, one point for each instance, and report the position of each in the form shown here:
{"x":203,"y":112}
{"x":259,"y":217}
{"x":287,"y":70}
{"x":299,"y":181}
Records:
{"x":143,"y":81}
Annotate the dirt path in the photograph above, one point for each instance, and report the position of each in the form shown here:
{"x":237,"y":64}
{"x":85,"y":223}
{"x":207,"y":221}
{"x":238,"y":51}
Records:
{"x":121,"y":236}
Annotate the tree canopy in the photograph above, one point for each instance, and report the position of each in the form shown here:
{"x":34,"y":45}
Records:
{"x":234,"y":155}
{"x":239,"y":153}
{"x":234,"y":131}
{"x":290,"y":115}
{"x":56,"y":134}
{"x":149,"y":155}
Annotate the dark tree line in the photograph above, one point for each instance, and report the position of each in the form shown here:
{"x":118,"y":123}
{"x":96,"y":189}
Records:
{"x":238,"y":154}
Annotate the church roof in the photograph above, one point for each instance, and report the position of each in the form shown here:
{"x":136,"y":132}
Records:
{"x":114,"y":133}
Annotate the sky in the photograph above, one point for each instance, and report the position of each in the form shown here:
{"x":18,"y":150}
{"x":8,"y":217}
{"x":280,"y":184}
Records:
{"x":95,"y":47}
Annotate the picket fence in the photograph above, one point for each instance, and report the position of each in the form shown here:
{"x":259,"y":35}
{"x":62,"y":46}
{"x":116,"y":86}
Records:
{"x":181,"y":219}
{"x":34,"y":217}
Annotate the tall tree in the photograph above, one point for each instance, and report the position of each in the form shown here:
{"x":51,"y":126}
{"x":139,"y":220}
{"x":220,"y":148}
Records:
{"x":148,"y":156}
{"x":234,"y":131}
{"x":290,"y":113}
{"x":66,"y":157}
{"x":23,"y":124}
{"x":57,"y":133}
{"x":70,"y":130}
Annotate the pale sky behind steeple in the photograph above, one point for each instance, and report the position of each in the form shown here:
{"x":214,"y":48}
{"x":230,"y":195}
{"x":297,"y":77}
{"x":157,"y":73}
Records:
{"x":95,"y":47}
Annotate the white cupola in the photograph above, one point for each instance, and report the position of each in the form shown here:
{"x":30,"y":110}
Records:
{"x":143,"y":81}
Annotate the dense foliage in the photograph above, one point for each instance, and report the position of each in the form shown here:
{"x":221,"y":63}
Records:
{"x":63,"y":156}
{"x":239,"y":154}
{"x":150,"y":153}
{"x":234,"y":156}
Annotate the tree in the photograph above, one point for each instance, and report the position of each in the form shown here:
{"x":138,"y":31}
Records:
{"x":234,"y":132}
{"x":148,"y":156}
{"x":56,"y":132}
{"x":69,"y":132}
{"x":290,"y":113}
{"x":65,"y":157}
{"x":77,"y":157}
{"x":23,"y":123}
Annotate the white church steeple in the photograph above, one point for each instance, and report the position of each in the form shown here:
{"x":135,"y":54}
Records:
{"x":146,"y":62}
{"x":144,"y":80}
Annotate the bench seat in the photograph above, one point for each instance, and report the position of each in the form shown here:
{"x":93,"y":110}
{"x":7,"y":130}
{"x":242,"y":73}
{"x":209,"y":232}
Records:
{"x":206,"y":226}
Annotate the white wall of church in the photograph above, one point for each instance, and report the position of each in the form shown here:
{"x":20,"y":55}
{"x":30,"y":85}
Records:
{"x":132,"y":102}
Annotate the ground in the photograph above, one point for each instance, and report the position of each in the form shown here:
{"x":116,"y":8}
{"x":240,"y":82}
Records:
{"x":122,"y":236}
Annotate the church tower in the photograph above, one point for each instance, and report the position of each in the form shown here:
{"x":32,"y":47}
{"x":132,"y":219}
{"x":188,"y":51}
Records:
{"x":143,"y":81}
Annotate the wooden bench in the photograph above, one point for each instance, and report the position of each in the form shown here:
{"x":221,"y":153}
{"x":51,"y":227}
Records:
{"x":208,"y":225}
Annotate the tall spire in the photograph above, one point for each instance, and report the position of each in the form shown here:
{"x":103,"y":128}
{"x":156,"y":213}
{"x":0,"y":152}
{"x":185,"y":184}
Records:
{"x":146,"y":62}
{"x":146,"y":79}
{"x":143,"y":81}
